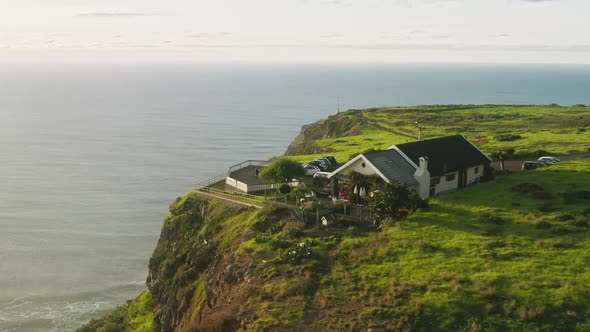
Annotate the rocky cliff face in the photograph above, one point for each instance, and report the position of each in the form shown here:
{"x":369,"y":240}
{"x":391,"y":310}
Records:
{"x":340,"y":125}
{"x":196,"y":280}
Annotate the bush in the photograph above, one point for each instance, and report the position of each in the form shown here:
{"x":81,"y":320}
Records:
{"x":279,"y":244}
{"x":488,"y":218}
{"x":541,"y":195}
{"x":395,"y":201}
{"x":351,"y":231}
{"x":284,"y":188}
{"x":565,"y":217}
{"x":572,"y":197}
{"x":295,"y":255}
{"x":527,"y":188}
{"x":507,"y":137}
{"x":546,"y":207}
{"x":543,"y":224}
{"x":578,"y":223}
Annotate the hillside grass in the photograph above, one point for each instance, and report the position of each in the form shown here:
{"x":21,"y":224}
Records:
{"x":555,"y":129}
{"x":485,"y":257}
{"x":136,"y":315}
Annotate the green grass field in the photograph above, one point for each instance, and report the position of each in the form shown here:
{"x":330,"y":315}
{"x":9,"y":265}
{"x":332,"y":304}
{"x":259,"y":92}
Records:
{"x":558,"y":130}
{"x":485,"y":257}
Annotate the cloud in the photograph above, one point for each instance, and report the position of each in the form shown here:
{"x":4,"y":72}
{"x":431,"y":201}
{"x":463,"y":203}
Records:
{"x":115,"y":14}
{"x":500,"y":35}
{"x":332,"y":36}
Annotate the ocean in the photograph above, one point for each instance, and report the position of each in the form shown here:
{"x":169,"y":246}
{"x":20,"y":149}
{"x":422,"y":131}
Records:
{"x":91,"y":154}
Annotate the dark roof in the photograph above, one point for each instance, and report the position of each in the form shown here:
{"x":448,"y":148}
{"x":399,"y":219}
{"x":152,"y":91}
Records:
{"x":393,"y":166}
{"x":445,"y":154}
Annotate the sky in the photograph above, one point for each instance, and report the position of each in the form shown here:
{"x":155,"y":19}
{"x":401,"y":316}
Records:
{"x":518,"y":31}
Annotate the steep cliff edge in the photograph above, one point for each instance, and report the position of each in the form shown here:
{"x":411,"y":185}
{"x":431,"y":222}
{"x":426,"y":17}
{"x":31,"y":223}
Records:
{"x":340,"y":125}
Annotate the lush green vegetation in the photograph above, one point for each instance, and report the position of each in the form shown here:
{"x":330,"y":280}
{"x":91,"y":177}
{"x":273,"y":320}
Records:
{"x":495,"y":256}
{"x":529,"y":130}
{"x":135,"y":315}
{"x":282,"y":170}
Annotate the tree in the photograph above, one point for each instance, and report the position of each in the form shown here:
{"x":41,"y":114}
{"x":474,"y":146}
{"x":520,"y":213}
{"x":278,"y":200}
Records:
{"x":396,"y":202}
{"x":282,"y":170}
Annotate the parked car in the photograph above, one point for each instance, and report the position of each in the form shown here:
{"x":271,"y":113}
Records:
{"x":332,"y":160}
{"x":549,"y":159}
{"x":327,"y":161}
{"x":528,"y":165}
{"x":546,"y":161}
{"x":310,"y":169}
{"x":320,"y":164}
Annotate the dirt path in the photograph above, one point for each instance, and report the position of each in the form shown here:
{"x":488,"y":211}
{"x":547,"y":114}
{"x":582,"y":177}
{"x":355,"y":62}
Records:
{"x":378,"y":126}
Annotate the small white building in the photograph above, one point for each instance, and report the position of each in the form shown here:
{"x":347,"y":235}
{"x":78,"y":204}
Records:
{"x":431,"y":167}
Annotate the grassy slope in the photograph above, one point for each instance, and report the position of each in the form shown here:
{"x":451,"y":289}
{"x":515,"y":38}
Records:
{"x":559,"y":130}
{"x":443,"y":269}
{"x":446,"y":268}
{"x":135,"y":315}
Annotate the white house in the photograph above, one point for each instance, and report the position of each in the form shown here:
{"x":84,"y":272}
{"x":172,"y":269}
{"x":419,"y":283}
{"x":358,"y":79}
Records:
{"x":432,"y":166}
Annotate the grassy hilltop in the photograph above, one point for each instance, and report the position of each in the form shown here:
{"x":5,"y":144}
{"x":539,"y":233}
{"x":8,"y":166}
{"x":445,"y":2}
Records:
{"x":526,"y":129}
{"x":508,"y":255}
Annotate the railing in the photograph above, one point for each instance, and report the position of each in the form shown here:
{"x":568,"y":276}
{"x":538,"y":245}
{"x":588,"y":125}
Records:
{"x":213,"y":180}
{"x":248,"y":163}
{"x":235,"y":196}
{"x":221,"y":177}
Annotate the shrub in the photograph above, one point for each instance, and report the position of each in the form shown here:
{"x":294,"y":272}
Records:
{"x":572,"y":197}
{"x":284,"y":188}
{"x":279,"y":243}
{"x":554,"y":244}
{"x":541,"y":195}
{"x":507,"y":137}
{"x":295,"y":232}
{"x":543,"y":224}
{"x":527,"y":188}
{"x":546,"y":207}
{"x":351,"y":231}
{"x":565,"y":217}
{"x":395,"y":201}
{"x":488,"y":218}
{"x":578,"y":223}
{"x":295,"y":255}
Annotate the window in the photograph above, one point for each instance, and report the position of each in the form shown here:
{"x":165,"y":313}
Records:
{"x":363,"y":165}
{"x":450,"y":177}
{"x":434,"y":181}
{"x":476,"y":170}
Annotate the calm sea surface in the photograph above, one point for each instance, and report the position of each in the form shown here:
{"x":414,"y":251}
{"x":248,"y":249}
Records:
{"x":91,"y":155}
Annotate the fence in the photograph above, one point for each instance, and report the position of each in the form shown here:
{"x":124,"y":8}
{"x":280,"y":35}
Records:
{"x":235,"y":196}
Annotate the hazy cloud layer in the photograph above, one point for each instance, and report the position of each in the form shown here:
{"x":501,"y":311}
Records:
{"x":115,"y":14}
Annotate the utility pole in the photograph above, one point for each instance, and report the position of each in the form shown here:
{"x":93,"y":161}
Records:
{"x":501,"y":158}
{"x":419,"y":130}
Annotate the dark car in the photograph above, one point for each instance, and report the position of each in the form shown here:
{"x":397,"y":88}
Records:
{"x":332,"y":160}
{"x":330,"y":164}
{"x":528,"y":165}
{"x":320,"y":164}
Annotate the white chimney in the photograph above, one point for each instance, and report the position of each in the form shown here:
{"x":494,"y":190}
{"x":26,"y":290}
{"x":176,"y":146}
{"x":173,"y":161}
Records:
{"x":423,"y":163}
{"x":422,"y":176}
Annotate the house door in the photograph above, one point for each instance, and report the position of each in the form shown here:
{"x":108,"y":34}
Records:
{"x":462,"y":178}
